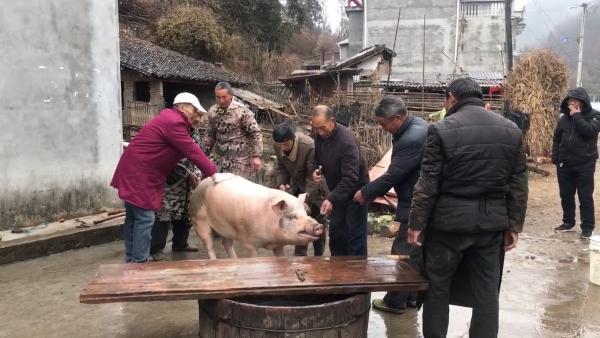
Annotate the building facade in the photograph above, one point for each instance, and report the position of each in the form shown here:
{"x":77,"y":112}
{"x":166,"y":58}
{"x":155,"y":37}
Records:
{"x":428,"y":34}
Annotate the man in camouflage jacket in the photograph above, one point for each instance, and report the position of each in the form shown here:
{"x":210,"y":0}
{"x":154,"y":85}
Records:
{"x":173,"y":209}
{"x":233,"y":135}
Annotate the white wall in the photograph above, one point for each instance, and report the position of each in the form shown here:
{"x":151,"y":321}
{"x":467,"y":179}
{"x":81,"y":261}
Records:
{"x":60,"y":129}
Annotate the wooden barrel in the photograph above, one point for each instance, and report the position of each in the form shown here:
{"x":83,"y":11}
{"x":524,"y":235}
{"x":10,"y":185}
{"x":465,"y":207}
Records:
{"x":307,"y":316}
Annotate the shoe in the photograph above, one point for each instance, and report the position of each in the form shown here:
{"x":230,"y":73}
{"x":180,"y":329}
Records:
{"x":585,"y":234}
{"x":188,"y":248}
{"x":564,"y":227}
{"x":380,"y":305}
{"x":159,"y":257}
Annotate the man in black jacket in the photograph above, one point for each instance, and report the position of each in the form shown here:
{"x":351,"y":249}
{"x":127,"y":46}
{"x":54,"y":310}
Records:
{"x":471,"y":198}
{"x":574,"y":152}
{"x":338,"y":153}
{"x":409,"y":134}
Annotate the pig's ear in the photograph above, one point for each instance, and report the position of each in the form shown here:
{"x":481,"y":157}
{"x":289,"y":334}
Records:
{"x":302,"y":198}
{"x":278,"y":205}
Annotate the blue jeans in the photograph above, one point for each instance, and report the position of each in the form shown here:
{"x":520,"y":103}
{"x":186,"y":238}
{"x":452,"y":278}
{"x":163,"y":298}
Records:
{"x":138,"y":233}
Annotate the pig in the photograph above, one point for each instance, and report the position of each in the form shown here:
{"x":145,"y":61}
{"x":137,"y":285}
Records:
{"x":256,"y":216}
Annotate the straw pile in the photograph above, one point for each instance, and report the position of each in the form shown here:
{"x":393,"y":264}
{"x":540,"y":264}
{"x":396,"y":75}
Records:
{"x":537,"y":85}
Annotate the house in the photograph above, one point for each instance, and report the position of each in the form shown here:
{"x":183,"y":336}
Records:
{"x":151,"y":76}
{"x":448,"y":36}
{"x":368,"y":65}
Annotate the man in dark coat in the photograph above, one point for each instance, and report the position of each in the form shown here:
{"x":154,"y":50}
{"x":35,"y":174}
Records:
{"x":574,"y":152}
{"x":338,"y":153}
{"x":471,"y":198}
{"x":409,"y":134}
{"x":295,"y":162}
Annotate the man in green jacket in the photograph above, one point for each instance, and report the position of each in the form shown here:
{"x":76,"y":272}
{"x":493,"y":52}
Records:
{"x":295,"y":160}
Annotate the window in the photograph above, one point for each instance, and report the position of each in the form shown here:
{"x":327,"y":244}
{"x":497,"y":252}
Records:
{"x":141,"y":91}
{"x":482,"y":8}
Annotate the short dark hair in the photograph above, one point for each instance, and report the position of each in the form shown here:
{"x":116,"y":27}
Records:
{"x":391,"y":106}
{"x":284,"y":131}
{"x":465,"y":88}
{"x":224,"y":85}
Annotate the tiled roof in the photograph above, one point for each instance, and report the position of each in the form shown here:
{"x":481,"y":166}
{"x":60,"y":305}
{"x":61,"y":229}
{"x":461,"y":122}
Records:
{"x":442,"y":80}
{"x":158,"y":62}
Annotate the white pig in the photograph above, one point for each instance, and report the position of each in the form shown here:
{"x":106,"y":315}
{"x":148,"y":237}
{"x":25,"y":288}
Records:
{"x":254,"y":215}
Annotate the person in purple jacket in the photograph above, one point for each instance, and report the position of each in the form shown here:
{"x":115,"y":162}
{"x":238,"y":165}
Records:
{"x":145,"y":165}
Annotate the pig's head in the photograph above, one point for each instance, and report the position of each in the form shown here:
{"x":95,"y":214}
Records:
{"x":295,"y":227}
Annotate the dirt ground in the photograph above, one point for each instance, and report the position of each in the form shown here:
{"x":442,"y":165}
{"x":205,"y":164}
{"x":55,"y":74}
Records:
{"x":545,"y":292}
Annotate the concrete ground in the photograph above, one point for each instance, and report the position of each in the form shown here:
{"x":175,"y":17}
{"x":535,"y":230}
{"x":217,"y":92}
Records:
{"x":545,"y":292}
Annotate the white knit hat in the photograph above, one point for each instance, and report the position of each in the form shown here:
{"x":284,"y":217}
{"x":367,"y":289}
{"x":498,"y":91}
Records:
{"x":189,"y":98}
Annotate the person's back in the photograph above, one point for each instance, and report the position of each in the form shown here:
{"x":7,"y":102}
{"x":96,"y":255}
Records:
{"x":471,"y":200}
{"x":481,"y":150}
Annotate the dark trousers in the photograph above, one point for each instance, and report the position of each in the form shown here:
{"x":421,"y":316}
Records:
{"x":348,"y":229}
{"x":401,"y":247}
{"x":578,"y":179}
{"x":479,"y":255}
{"x":160,"y":231}
{"x":319,"y":244}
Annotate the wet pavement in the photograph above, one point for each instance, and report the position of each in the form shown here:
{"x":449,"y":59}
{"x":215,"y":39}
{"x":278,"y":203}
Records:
{"x":545,"y":291}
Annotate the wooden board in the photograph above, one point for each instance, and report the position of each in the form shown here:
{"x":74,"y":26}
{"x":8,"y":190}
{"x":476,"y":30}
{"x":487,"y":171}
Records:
{"x":227,"y":278}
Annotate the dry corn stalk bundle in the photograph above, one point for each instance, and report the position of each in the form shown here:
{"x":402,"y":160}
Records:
{"x":536,"y":85}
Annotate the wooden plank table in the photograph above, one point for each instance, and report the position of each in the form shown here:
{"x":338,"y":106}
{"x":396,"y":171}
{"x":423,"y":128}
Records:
{"x":229,"y":278}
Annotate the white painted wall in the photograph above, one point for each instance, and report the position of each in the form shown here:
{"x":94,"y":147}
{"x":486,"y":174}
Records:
{"x":60,"y":128}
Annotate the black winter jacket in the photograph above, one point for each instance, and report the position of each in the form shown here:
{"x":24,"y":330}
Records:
{"x":473,"y":175}
{"x":576,"y":137}
{"x":344,"y":167}
{"x":403,"y":171}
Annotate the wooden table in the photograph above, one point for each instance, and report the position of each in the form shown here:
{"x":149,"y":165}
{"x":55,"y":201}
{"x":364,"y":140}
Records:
{"x":214,"y":282}
{"x":227,"y":278}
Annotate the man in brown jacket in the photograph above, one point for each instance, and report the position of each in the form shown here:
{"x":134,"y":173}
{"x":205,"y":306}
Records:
{"x":295,"y":160}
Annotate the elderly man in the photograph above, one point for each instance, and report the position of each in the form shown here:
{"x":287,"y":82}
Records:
{"x":409,"y":134}
{"x":234,"y":136}
{"x":471,"y":199}
{"x":295,"y":162}
{"x":338,"y":153}
{"x":142,"y":171}
{"x":173,"y":211}
{"x":574,"y":152}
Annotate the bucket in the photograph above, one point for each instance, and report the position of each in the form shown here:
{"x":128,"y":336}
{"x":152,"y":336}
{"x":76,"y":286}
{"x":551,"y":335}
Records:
{"x":306,"y":316}
{"x":595,"y":260}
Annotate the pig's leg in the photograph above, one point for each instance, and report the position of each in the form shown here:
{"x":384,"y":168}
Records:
{"x":249,"y":249}
{"x":279,"y":252}
{"x":228,"y":244}
{"x":204,"y":231}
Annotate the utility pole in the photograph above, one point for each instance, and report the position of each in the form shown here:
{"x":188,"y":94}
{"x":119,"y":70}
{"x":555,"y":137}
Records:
{"x":581,"y":34}
{"x":456,"y":35}
{"x":508,"y":32}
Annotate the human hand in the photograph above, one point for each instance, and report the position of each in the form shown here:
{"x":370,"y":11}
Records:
{"x":256,"y":163}
{"x":359,"y":198}
{"x":317,"y":176}
{"x":193,"y":180}
{"x":575,"y":108}
{"x":283,"y":187}
{"x":326,"y":208}
{"x":510,"y":240}
{"x":413,"y":237}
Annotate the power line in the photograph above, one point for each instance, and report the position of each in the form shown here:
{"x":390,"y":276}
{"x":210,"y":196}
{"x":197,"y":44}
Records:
{"x":536,"y":3}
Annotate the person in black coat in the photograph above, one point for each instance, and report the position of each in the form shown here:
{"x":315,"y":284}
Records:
{"x":470,"y":201}
{"x":338,"y":154}
{"x":409,"y":134}
{"x":574,"y":152}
